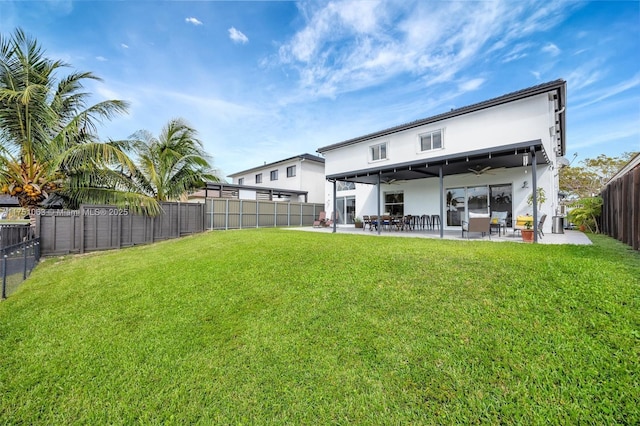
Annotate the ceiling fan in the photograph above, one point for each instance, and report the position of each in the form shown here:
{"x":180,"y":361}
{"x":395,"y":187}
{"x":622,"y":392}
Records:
{"x":478,"y":171}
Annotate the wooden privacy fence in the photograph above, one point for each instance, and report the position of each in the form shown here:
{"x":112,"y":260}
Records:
{"x":620,"y":217}
{"x":95,"y":227}
{"x":239,"y":214}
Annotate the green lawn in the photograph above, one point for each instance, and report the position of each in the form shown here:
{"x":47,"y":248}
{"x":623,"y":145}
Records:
{"x":288,"y":327}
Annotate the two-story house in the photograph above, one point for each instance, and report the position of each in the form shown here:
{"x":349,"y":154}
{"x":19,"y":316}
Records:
{"x":480,"y":158}
{"x":302,"y":173}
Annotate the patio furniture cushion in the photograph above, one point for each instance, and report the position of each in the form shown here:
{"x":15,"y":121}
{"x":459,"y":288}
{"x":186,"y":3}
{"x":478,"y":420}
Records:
{"x":521,"y":222}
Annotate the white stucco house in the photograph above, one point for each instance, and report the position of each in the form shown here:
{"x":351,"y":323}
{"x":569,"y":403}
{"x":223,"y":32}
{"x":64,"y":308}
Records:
{"x":480,"y":158}
{"x":303,"y":175}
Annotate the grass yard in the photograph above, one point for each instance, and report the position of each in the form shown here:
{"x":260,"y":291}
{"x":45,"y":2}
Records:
{"x":289,"y":327}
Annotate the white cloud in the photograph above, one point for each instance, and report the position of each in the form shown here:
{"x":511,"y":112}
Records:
{"x":124,"y":46}
{"x":608,"y":92}
{"x":471,"y":85}
{"x":237,"y":36}
{"x":101,"y":58}
{"x":552,"y":49}
{"x":346,"y":46}
{"x":193,"y":21}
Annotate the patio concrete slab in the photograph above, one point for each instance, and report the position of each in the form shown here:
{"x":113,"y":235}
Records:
{"x":568,"y":237}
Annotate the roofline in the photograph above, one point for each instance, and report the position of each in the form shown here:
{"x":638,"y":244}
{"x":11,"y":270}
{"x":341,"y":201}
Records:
{"x":309,"y":157}
{"x":558,"y":85}
{"x":221,"y":185}
{"x":520,"y":147}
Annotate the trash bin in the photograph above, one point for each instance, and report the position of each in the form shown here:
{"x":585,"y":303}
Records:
{"x":557,"y":227}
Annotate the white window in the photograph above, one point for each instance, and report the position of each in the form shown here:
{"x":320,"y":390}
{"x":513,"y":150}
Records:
{"x":291,"y":171}
{"x":259,"y":178}
{"x":274,"y":175}
{"x":345,"y":186}
{"x":430,"y":141}
{"x":378,"y":152}
{"x":241,"y":181}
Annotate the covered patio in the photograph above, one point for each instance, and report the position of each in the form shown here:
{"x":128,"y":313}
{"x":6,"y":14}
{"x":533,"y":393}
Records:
{"x":528,"y":154}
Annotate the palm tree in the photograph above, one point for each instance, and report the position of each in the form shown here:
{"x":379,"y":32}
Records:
{"x":48,"y":136}
{"x":172,"y":164}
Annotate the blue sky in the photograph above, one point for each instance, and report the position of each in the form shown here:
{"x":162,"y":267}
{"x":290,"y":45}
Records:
{"x":266,"y":80}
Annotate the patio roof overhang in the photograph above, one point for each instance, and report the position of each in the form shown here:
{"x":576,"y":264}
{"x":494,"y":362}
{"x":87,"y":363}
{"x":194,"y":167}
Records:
{"x":506,"y":156}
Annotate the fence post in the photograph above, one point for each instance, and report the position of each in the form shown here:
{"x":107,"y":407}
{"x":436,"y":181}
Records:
{"x":211,"y":221}
{"x":24,"y":262}
{"x":82,"y":219}
{"x":226,"y":216}
{"x":240,"y":214}
{"x":4,"y":276}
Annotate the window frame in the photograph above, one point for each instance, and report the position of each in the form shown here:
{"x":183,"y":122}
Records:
{"x":241,"y":181}
{"x":430,"y":135}
{"x":378,"y":146}
{"x":345,"y":186}
{"x":291,"y":169}
{"x":259,"y":178}
{"x":273,"y":175}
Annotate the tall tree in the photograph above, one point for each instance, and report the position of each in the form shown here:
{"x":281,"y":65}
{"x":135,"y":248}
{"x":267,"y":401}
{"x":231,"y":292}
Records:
{"x":588,"y":179}
{"x":48,"y":138}
{"x":172,"y":164}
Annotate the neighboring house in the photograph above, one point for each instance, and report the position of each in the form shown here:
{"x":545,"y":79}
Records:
{"x":244,"y":192}
{"x":8,"y":201}
{"x":303,"y":174}
{"x":480,"y":158}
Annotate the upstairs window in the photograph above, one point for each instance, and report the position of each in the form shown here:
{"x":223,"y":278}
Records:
{"x":291,"y":171}
{"x":378,"y":152}
{"x":259,"y":178}
{"x":274,"y":175}
{"x":431,"y":141}
{"x":241,"y":181}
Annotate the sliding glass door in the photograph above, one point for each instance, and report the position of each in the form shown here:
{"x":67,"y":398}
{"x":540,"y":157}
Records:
{"x":345,"y":209}
{"x":482,"y":199}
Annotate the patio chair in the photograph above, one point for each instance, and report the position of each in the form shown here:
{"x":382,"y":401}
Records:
{"x":366,"y":220}
{"x":374,"y":222}
{"x":385,"y":221}
{"x":499,"y":218}
{"x":330,"y":221}
{"x":540,"y":224}
{"x":322,"y":219}
{"x":477,"y":223}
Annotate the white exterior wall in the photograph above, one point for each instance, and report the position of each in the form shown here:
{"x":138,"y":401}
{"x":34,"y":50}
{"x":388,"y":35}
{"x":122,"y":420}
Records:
{"x":524,"y":120}
{"x":309,"y":177}
{"x":312,"y":180}
{"x":519,"y":121}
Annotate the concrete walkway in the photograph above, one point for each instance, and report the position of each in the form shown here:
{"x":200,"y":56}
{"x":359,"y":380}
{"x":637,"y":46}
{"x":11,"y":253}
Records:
{"x":568,"y":237}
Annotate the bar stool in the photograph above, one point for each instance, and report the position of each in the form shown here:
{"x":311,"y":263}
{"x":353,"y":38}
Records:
{"x":435,"y":220}
{"x":426,"y":221}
